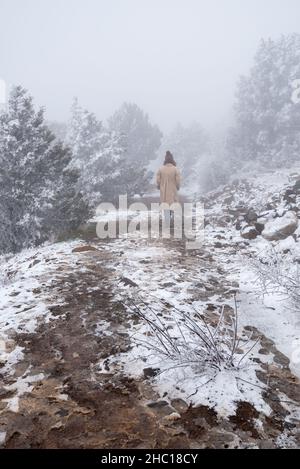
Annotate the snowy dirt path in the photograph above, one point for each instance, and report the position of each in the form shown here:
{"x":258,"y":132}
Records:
{"x":73,"y":375}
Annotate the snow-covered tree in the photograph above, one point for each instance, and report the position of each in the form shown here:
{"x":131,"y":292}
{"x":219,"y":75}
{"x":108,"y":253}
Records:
{"x":101,"y":157}
{"x":86,"y":136}
{"x":142,"y":138}
{"x":267,"y":118}
{"x":59,"y":129}
{"x":38,"y":200}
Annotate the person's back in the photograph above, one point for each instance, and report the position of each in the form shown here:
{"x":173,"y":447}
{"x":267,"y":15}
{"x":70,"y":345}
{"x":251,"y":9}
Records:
{"x":168,"y":181}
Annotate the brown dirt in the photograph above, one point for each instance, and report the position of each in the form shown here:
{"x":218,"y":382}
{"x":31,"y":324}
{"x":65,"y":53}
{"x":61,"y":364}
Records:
{"x":105,"y":410}
{"x":244,"y":419}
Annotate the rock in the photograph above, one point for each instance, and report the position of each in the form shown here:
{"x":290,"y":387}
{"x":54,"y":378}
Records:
{"x":249,"y":232}
{"x":264,"y":219}
{"x":297,"y":186}
{"x":292,"y":193}
{"x":57,"y":426}
{"x":290,"y":196}
{"x":128,"y":282}
{"x":218,"y":245}
{"x":259,"y":227}
{"x":179,"y":405}
{"x":172,"y":417}
{"x":240,"y":223}
{"x":81,"y":249}
{"x":169,"y":284}
{"x":151,"y":372}
{"x":296,"y":210}
{"x":228,"y":200}
{"x":34,"y":263}
{"x":224,"y":221}
{"x":241,"y":209}
{"x":281,"y":228}
{"x":251,"y":216}
{"x":161,"y":408}
{"x":158,"y":404}
{"x":14,"y":293}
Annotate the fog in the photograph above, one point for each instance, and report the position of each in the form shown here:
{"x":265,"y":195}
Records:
{"x":178,"y":60}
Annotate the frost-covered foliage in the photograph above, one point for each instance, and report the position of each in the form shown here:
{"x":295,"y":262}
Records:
{"x":86,"y":136}
{"x":267,"y":119}
{"x":38,"y":199}
{"x":96,"y":154}
{"x":194,"y":341}
{"x":279,"y":273}
{"x":142,"y":139}
{"x":100,"y":156}
{"x":59,"y":129}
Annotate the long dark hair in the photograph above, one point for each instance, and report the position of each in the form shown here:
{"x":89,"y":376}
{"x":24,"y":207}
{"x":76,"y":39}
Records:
{"x":169,"y":159}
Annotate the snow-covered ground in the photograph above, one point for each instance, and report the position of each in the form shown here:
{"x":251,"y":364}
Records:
{"x":24,"y":305}
{"x":167,"y":277}
{"x":163,"y":276}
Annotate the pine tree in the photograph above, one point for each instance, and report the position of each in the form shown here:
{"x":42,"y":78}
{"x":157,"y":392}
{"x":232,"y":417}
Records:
{"x":59,"y":129}
{"x":101,"y":157}
{"x":142,"y":138}
{"x":85,"y":136}
{"x":267,"y":119}
{"x":37,"y":195}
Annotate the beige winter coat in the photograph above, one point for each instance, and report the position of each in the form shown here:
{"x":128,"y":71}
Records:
{"x":168,"y":181}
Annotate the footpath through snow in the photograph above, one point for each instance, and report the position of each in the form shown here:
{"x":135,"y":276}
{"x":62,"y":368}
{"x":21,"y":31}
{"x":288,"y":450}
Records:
{"x":80,"y":368}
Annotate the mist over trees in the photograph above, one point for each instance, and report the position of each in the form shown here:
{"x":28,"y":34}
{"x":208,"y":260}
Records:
{"x":142,"y":138}
{"x":189,"y":145}
{"x":101,"y":156}
{"x":200,"y":155}
{"x":267,"y":120}
{"x":265,"y":132}
{"x":53,"y":175}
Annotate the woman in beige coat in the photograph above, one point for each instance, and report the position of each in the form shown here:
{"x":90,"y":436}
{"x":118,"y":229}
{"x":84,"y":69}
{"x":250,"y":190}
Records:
{"x":168,"y":182}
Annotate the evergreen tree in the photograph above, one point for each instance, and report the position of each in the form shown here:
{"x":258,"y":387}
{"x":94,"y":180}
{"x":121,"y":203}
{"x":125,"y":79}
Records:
{"x":59,"y":129}
{"x":101,"y":157}
{"x":38,"y":200}
{"x":142,"y":138}
{"x":267,"y":119}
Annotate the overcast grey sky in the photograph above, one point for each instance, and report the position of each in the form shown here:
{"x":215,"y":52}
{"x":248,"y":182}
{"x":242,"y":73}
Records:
{"x":178,"y":59}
